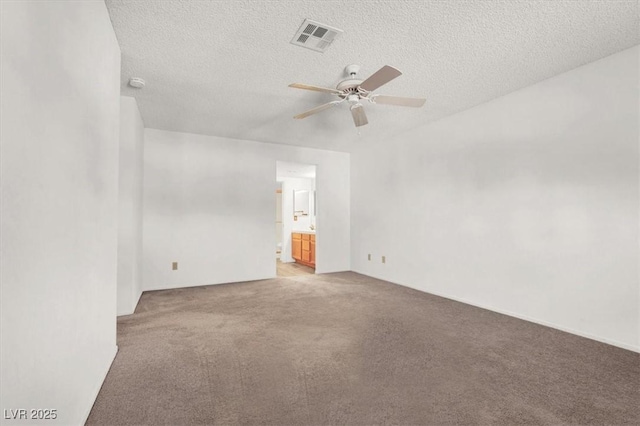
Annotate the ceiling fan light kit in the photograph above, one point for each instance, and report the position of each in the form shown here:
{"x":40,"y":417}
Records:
{"x":354,"y":91}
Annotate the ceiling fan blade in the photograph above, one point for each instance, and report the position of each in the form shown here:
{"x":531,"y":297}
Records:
{"x":379,"y":78}
{"x":314,"y":88}
{"x":359,"y":117}
{"x":398,"y":101}
{"x":316,"y":109}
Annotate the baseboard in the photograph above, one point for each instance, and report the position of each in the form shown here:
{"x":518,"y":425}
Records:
{"x":519,"y":316}
{"x":96,"y":390}
{"x":336,"y":271}
{"x":125,"y":313}
{"x":175,"y":286}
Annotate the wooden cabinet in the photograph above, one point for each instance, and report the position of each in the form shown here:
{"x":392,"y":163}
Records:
{"x":312,"y":251}
{"x":296,"y":246}
{"x":303,"y":248}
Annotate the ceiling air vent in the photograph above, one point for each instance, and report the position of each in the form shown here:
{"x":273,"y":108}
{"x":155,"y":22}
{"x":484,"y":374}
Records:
{"x":315,"y":36}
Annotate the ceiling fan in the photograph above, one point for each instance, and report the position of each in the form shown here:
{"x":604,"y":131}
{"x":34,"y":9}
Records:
{"x":354,"y":91}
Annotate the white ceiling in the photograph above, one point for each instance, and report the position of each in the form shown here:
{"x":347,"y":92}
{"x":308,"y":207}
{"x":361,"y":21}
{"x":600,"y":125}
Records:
{"x":222,"y":67}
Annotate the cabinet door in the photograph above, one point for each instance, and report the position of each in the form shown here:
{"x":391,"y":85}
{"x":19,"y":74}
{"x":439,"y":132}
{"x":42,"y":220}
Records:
{"x":306,"y":255}
{"x":312,"y":253}
{"x":296,"y":248}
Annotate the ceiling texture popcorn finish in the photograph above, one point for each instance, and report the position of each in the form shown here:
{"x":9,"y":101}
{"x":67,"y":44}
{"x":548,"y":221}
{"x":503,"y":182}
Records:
{"x":222,"y":67}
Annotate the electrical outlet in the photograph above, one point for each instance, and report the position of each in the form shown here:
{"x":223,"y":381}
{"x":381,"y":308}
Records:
{"x":384,"y":259}
{"x":174,"y":266}
{"x":369,"y":257}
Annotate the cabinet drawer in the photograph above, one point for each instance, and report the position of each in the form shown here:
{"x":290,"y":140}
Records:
{"x":313,"y":238}
{"x":305,"y":237}
{"x":296,"y":236}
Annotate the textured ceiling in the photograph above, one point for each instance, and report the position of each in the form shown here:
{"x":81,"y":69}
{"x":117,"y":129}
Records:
{"x":222,"y":67}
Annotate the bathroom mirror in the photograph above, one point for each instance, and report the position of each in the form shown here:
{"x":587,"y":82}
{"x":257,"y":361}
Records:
{"x":301,"y":202}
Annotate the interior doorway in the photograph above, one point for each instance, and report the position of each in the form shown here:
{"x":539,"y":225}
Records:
{"x":296,"y":212}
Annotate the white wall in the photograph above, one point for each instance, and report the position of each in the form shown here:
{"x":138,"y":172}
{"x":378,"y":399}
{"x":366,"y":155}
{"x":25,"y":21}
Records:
{"x":130,"y":206}
{"x":289,"y":225}
{"x":209,"y":204}
{"x":526,"y":205}
{"x":60,"y":111}
{"x":279,"y":232}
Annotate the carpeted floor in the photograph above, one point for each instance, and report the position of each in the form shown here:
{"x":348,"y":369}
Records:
{"x":346,"y":349}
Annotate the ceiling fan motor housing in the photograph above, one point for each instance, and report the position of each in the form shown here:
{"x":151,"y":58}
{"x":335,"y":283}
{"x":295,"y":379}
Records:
{"x":349,"y":85}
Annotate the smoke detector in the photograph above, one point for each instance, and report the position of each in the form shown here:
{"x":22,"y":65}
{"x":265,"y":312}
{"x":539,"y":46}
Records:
{"x":315,"y":36}
{"x":136,"y":82}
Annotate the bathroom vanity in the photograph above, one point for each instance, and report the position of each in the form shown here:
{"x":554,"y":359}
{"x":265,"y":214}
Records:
{"x":303,"y":247}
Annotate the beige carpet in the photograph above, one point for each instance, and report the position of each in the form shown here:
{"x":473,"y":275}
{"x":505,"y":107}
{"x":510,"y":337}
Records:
{"x":346,"y":349}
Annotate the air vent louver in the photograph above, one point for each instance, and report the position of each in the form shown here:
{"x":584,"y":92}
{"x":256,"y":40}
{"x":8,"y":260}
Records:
{"x":323,"y":45}
{"x":315,"y":36}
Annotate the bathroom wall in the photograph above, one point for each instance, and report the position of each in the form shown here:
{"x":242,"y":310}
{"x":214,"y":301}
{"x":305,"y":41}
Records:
{"x":289,"y":225}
